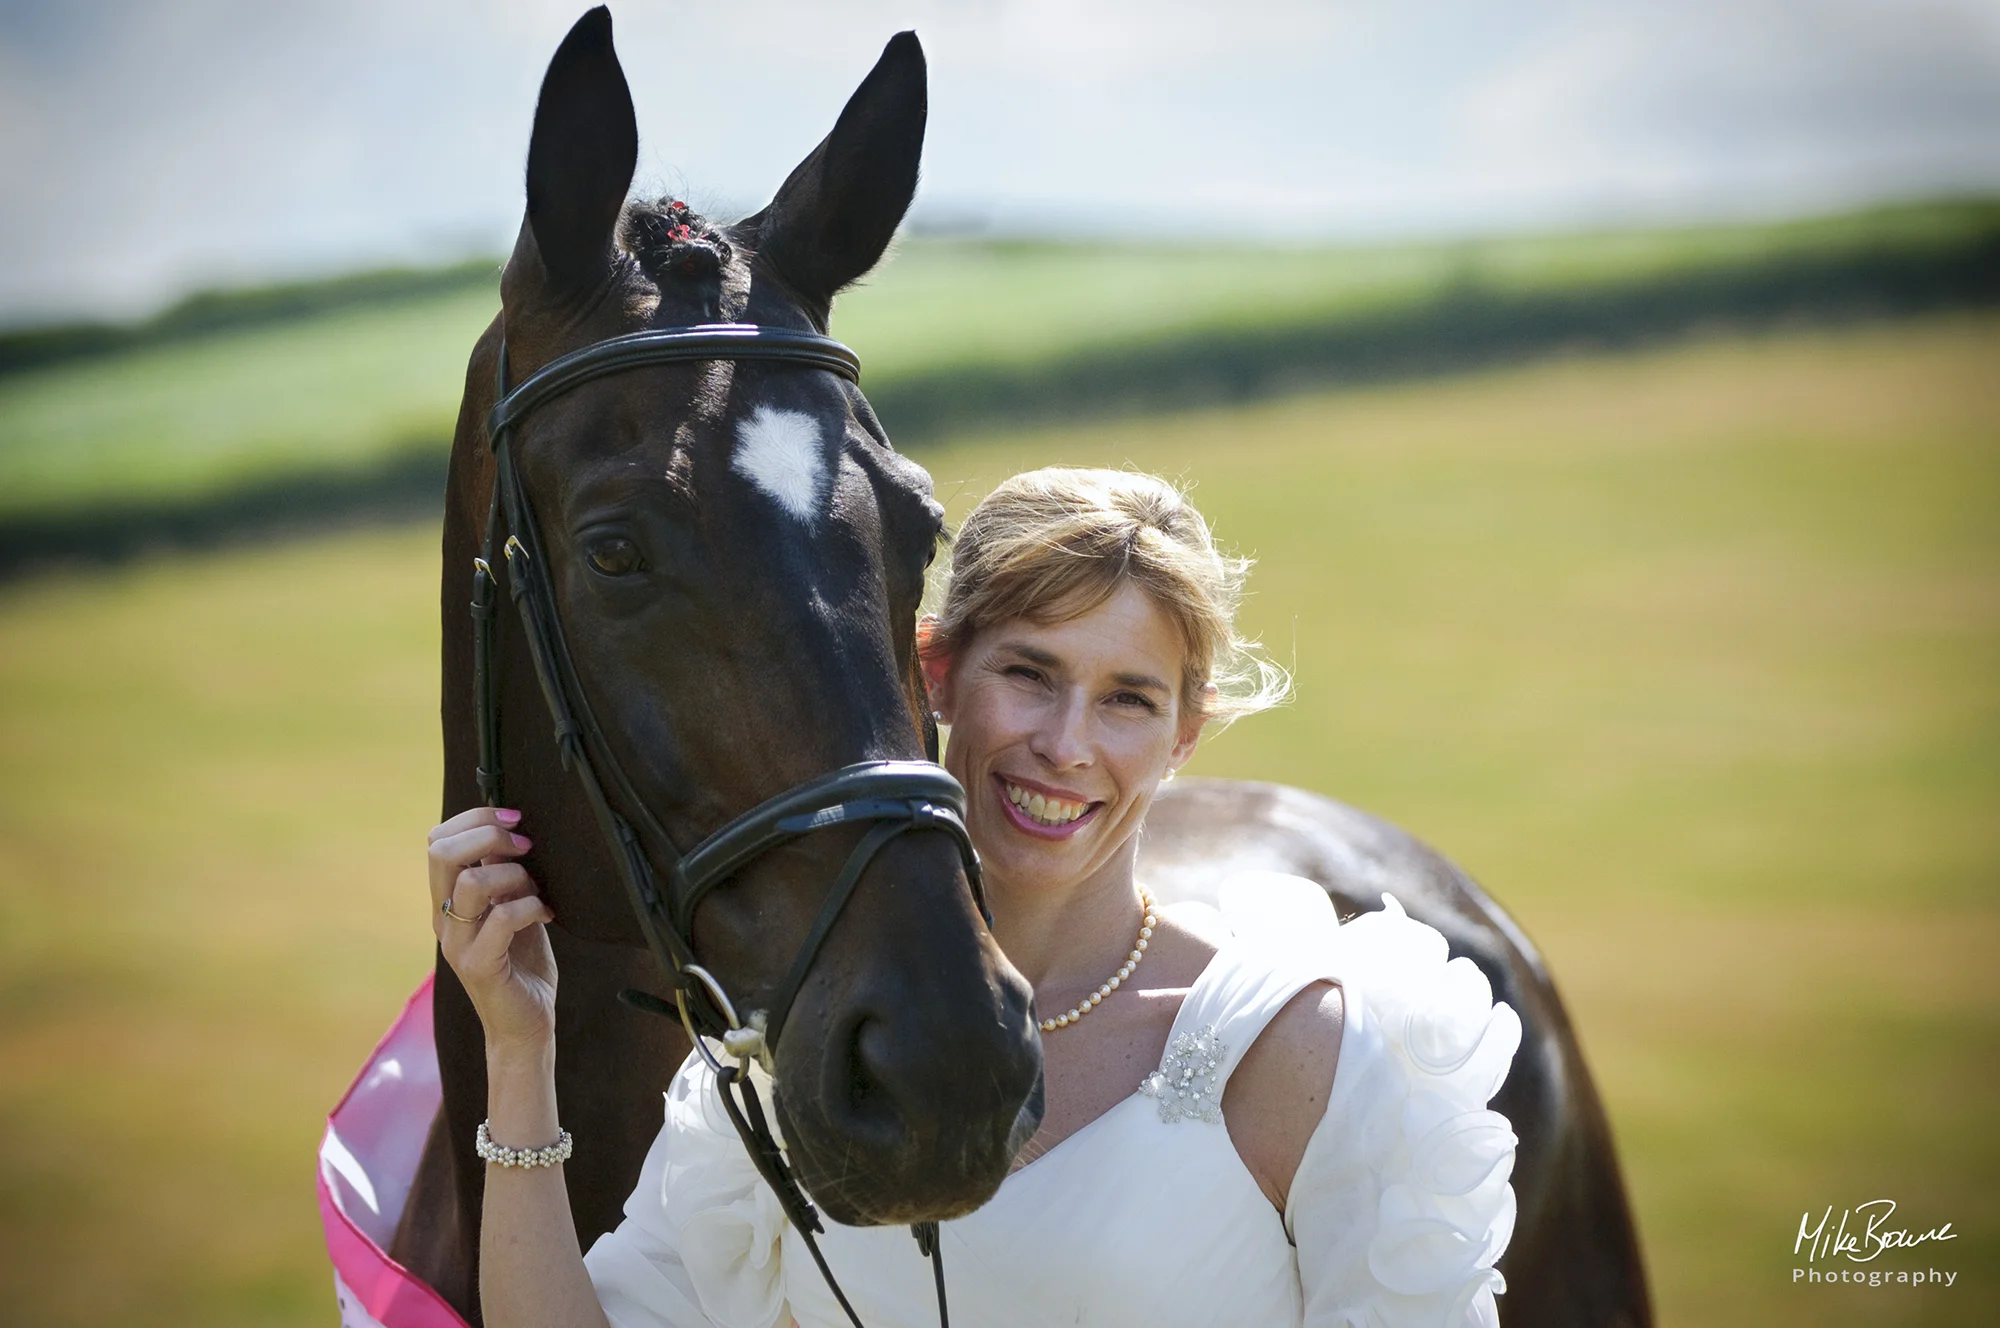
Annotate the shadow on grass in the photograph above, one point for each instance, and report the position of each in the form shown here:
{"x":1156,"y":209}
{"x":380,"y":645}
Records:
{"x":1466,"y":327}
{"x":405,"y":486}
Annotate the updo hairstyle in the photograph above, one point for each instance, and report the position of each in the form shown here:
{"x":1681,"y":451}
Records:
{"x":1053,"y":544}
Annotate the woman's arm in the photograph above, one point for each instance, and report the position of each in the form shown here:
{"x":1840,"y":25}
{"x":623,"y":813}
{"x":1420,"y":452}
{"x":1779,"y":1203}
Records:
{"x":530,"y":1269}
{"x":1278,"y":1094}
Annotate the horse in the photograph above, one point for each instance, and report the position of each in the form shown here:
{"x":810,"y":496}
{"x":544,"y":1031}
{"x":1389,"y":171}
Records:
{"x":738,"y":670}
{"x":732,"y":555}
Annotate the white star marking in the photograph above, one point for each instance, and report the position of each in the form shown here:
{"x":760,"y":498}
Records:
{"x":780,"y":451}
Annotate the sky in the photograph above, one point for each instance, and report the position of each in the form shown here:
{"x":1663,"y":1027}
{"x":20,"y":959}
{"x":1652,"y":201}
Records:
{"x":150,"y":147}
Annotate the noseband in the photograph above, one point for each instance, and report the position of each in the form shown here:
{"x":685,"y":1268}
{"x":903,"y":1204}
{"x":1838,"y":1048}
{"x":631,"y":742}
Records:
{"x":892,"y":798}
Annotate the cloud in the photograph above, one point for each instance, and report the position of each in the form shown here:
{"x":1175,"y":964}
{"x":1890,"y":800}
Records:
{"x":149,"y":147}
{"x":1693,"y":103}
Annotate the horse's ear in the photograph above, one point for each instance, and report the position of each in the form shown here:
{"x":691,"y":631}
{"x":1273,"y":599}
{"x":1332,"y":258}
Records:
{"x":582,"y":155}
{"x":837,"y":212}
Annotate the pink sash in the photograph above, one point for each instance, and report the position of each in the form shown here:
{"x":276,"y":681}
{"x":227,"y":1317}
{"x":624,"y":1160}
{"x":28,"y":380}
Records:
{"x":367,"y":1162}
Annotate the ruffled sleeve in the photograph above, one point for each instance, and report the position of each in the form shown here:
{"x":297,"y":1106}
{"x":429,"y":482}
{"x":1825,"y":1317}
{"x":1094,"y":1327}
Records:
{"x":700,"y":1243}
{"x":1401,"y":1203}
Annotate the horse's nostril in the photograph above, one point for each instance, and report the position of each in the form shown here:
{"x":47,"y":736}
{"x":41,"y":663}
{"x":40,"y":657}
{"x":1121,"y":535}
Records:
{"x":870,"y":1062}
{"x":861,"y":1088}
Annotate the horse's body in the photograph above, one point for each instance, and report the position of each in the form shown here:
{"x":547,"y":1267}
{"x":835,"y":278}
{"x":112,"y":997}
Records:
{"x":1574,"y":1260}
{"x":781,"y":651}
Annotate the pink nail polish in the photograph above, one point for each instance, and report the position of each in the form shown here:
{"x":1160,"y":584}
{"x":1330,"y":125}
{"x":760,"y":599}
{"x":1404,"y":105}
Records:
{"x":522,"y":843}
{"x":506,"y":816}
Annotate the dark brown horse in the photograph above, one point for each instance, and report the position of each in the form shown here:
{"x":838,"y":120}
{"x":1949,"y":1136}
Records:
{"x":769,"y":636}
{"x":736,"y":556}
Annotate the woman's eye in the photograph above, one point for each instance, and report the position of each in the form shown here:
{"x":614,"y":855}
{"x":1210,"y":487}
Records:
{"x":1134,"y":699}
{"x":616,"y":557}
{"x":1023,"y":671}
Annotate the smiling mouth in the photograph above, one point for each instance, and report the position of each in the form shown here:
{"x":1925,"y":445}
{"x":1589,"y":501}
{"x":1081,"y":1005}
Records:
{"x":1054,"y":813}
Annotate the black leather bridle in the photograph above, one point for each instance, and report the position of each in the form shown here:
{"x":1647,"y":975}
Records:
{"x":891,"y":797}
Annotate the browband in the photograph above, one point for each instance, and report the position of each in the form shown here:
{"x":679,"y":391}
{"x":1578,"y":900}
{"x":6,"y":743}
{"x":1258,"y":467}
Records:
{"x":672,"y":345}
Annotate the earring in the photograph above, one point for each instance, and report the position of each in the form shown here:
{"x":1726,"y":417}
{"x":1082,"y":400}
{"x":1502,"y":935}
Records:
{"x":937,"y":716}
{"x":1170,"y":776}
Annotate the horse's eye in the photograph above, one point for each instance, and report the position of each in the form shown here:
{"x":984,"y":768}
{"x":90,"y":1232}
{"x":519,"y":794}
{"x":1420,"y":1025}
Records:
{"x":616,"y":557}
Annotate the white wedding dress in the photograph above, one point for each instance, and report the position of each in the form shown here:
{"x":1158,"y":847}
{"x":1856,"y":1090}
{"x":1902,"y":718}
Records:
{"x":1147,"y":1216}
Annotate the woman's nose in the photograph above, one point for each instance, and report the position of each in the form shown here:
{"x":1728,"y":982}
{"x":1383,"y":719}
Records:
{"x":1063,"y":738}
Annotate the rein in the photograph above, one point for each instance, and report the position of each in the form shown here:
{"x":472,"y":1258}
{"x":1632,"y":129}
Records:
{"x":891,"y":797}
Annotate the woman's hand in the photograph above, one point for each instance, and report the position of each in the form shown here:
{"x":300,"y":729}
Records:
{"x":494,"y":938}
{"x":530,"y":1269}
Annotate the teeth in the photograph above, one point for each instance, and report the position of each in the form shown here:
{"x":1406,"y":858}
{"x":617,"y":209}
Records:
{"x":1045,"y":810}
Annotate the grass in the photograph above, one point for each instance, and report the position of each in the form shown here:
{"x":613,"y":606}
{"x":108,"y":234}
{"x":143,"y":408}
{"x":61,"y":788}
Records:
{"x":1690,"y":656}
{"x":354,"y":385}
{"x":206,"y":413}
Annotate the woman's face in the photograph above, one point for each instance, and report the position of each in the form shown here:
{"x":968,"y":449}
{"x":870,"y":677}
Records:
{"x":1061,"y":732}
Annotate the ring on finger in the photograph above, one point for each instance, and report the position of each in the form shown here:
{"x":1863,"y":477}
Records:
{"x":445,"y":908}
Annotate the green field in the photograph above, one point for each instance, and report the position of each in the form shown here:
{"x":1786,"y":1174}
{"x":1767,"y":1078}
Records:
{"x":358,"y":385}
{"x":1690,"y":656}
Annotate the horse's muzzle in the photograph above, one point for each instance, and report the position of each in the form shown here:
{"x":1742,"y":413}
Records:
{"x":915,"y":1106}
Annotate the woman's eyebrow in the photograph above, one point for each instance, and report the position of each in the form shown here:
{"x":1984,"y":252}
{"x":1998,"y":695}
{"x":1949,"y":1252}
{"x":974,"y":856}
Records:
{"x":1139,"y":681}
{"x":1033,"y":654}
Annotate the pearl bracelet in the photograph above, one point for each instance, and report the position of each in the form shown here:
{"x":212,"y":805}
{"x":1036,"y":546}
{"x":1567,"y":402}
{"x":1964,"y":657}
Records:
{"x":501,"y":1155}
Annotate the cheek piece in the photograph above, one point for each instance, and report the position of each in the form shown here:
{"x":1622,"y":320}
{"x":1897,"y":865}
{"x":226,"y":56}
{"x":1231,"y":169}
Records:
{"x":891,"y":797}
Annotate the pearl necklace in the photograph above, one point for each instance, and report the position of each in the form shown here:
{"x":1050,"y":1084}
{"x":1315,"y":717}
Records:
{"x":1090,"y":1002}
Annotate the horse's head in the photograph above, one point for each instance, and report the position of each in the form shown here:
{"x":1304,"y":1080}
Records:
{"x":736,"y":555}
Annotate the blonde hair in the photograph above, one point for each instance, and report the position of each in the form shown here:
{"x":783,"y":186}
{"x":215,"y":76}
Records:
{"x":1053,"y":544}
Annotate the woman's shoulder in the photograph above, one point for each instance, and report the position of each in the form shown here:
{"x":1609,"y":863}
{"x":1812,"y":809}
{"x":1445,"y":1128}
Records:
{"x":1267,"y":937}
{"x":1380,"y":990}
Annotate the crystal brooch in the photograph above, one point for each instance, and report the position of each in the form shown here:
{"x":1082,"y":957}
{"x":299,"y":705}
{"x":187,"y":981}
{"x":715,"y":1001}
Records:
{"x":1188,"y":1085}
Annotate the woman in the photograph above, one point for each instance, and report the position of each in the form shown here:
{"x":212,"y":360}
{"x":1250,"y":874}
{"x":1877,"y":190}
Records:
{"x":1253,"y":1116}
